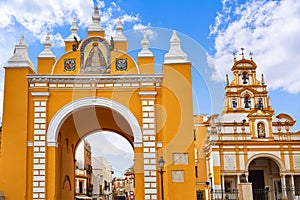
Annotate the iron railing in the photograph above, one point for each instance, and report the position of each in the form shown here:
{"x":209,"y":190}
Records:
{"x":224,"y":195}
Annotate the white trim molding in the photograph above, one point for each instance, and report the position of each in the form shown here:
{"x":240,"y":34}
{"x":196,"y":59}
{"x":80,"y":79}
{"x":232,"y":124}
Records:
{"x":103,"y":78}
{"x":58,"y":119}
{"x":148,"y":93}
{"x":39,"y":94}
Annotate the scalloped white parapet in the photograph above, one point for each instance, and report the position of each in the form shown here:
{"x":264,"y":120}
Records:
{"x":175,"y":54}
{"x":74,"y":33}
{"x":145,"y":52}
{"x":47,"y":53}
{"x":20,"y":57}
{"x":95,"y":26}
{"x":119,"y":37}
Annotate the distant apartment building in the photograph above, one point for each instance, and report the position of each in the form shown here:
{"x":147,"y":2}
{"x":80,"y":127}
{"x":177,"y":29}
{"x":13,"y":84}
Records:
{"x":119,"y":191}
{"x":102,"y":179}
{"x":129,"y":185}
{"x":83,"y":172}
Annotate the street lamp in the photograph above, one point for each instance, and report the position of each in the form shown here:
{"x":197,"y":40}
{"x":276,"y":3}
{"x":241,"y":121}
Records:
{"x":161,"y":164}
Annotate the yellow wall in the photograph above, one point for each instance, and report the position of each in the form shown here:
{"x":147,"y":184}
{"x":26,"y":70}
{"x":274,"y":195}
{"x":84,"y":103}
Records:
{"x":13,"y":160}
{"x":177,"y":132}
{"x":45,"y":65}
{"x":146,"y":65}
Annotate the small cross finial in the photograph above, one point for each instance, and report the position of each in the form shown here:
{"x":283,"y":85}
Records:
{"x":242,"y":49}
{"x":234,"y":56}
{"x":251,"y":54}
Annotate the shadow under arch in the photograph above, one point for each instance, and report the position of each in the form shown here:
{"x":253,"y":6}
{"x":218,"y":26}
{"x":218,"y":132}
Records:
{"x":274,"y":158}
{"x":59,"y":118}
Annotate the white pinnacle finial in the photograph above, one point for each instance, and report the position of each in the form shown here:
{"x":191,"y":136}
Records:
{"x":74,"y":32}
{"x":175,"y":54}
{"x":47,"y":53}
{"x":95,"y":27}
{"x":20,"y":57}
{"x":145,"y":52}
{"x":119,"y":32}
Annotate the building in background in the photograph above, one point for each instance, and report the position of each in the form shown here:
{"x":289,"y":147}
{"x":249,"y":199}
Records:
{"x":83,"y":171}
{"x":129,"y":185}
{"x":119,"y":188}
{"x":247,"y":142}
{"x":102,"y":179}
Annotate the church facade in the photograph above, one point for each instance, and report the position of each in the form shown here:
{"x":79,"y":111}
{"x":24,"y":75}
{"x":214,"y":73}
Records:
{"x":248,"y":142}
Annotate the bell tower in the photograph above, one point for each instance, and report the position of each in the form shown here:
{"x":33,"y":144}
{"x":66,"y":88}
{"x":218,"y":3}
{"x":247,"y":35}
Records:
{"x":245,"y":92}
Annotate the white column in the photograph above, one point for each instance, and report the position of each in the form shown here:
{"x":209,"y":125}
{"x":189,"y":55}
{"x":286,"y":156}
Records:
{"x":292,"y":185}
{"x":283,"y":186}
{"x":39,"y":145}
{"x":238,"y":178}
{"x":149,"y":144}
{"x":223,"y":182}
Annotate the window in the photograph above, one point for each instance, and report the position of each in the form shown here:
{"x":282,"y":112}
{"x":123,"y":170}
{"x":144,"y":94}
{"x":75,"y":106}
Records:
{"x":80,"y":187}
{"x":234,"y":104}
{"x":260,"y":104}
{"x":247,"y":102}
{"x":245,"y":77}
{"x":196,"y":171}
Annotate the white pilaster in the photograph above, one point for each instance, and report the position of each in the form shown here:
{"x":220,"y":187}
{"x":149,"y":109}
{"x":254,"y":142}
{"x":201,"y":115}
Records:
{"x":39,"y":145}
{"x":149,"y":144}
{"x":283,"y":186}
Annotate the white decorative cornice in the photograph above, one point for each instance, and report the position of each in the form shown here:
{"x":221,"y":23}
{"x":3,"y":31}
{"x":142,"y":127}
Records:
{"x":95,"y":26}
{"x":47,"y":53}
{"x":74,"y":33}
{"x":175,"y":54}
{"x":145,"y":52}
{"x":119,"y":32}
{"x":134,"y":78}
{"x":20,"y":57}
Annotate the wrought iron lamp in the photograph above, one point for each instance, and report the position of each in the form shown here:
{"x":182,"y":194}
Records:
{"x":161,"y":164}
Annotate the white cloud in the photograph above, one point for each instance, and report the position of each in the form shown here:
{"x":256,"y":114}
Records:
{"x":151,"y":34}
{"x":114,"y":148}
{"x":267,"y":28}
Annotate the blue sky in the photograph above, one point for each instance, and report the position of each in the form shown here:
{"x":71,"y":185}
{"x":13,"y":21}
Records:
{"x":210,"y":31}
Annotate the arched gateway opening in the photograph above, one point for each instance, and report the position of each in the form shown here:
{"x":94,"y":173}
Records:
{"x":73,"y":123}
{"x":268,"y":181}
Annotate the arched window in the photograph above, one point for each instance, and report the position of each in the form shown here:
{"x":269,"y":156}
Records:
{"x":260,"y":104}
{"x":245,"y":77}
{"x":247,"y":102}
{"x":261,"y":130}
{"x":234,"y":104}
